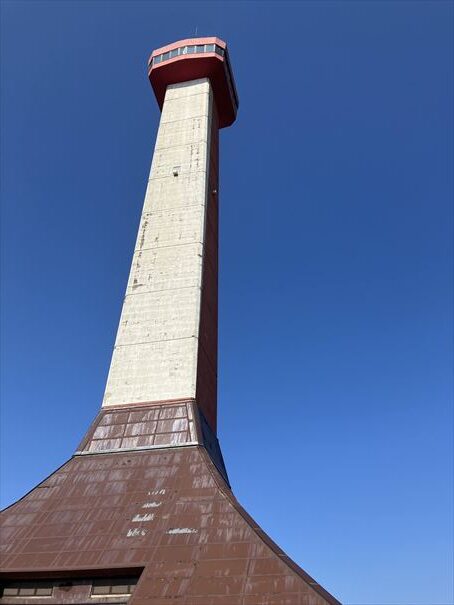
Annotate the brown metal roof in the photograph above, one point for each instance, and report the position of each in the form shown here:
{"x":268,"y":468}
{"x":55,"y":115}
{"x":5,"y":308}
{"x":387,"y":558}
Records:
{"x":168,"y":511}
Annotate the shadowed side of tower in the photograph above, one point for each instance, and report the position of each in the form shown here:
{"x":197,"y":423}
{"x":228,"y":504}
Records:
{"x":143,"y":512}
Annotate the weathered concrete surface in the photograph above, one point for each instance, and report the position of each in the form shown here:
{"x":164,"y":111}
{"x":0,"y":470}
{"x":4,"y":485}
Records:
{"x":156,"y":349}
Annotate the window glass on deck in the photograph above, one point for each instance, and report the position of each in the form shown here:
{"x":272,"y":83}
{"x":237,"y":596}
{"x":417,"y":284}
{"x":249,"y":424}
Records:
{"x":187,"y":50}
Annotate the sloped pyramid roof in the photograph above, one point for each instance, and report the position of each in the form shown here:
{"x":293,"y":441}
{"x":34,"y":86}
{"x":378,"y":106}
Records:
{"x":167,"y":513}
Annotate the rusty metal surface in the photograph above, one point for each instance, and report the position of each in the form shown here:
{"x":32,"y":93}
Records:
{"x":152,"y":426}
{"x":167,"y":511}
{"x":145,"y":426}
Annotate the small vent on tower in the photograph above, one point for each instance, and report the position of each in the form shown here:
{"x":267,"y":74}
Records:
{"x":176,"y":170}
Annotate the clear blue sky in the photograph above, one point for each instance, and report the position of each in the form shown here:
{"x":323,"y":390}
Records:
{"x":335,"y":397}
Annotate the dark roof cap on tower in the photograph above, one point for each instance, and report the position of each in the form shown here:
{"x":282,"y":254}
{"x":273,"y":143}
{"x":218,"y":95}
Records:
{"x":192,"y":59}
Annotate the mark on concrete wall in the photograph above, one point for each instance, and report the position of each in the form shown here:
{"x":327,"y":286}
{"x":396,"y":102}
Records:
{"x":143,"y":231}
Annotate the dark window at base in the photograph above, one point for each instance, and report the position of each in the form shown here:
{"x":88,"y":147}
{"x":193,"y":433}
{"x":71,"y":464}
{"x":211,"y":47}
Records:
{"x":113,"y":586}
{"x":27,"y":588}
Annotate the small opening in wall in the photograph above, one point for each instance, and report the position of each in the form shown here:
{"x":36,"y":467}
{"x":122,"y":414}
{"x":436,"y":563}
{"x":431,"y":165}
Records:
{"x":90,"y":586}
{"x":27,"y":588}
{"x":103,"y":587}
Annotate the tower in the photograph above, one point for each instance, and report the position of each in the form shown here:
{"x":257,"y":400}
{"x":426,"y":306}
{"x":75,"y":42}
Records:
{"x":143,"y":512}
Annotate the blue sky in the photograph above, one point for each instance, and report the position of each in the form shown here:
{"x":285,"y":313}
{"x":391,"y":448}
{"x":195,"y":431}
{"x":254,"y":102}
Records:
{"x":335,"y":395}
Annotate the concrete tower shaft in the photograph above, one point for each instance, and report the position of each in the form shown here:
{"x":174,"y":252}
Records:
{"x":166,"y":345}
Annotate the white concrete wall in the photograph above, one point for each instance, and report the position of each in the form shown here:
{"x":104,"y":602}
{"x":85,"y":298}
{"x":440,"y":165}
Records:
{"x":155,"y":354}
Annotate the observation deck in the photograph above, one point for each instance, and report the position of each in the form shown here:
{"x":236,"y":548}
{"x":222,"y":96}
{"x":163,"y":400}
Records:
{"x":192,"y":59}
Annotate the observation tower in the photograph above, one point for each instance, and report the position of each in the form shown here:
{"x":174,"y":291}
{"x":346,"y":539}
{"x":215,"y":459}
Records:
{"x":143,"y":512}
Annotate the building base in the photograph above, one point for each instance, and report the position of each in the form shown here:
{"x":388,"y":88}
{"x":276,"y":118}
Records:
{"x":159,"y":523}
